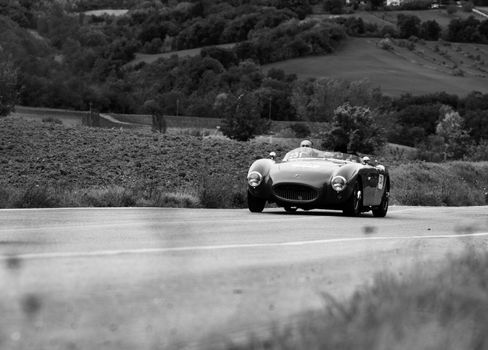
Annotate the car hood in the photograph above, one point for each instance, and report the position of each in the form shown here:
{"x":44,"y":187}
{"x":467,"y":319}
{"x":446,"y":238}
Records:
{"x":314,"y":173}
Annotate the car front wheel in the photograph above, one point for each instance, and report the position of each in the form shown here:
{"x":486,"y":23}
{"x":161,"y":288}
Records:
{"x":290,"y":209}
{"x":255,"y":204}
{"x":381,"y":210}
{"x":355,"y":203}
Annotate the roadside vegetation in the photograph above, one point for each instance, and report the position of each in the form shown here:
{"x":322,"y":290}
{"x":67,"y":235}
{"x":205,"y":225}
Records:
{"x":437,"y":308}
{"x":46,"y":164}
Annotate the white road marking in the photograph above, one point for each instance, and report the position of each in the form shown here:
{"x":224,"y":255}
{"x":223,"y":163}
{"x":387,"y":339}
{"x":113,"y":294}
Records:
{"x":101,"y":253}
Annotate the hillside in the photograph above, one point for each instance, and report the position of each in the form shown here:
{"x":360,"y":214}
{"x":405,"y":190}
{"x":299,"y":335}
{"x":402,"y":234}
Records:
{"x":428,"y":68}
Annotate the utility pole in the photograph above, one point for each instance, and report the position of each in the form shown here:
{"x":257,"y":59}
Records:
{"x":269,"y":109}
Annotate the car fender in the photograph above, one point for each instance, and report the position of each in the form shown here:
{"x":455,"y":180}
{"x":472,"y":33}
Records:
{"x":262,"y":166}
{"x":349,"y":171}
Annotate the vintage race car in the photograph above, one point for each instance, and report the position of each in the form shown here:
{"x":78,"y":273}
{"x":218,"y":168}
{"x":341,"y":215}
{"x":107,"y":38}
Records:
{"x":308,"y":178}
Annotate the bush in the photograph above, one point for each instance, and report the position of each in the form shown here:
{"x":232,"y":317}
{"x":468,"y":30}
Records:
{"x":218,"y":192}
{"x":112,"y":196}
{"x":386,"y":44}
{"x":36,"y":196}
{"x":170,"y":200}
{"x":457,"y":72}
{"x":432,"y":184}
{"x":410,"y":45}
{"x":478,"y":152}
{"x":52,"y":120}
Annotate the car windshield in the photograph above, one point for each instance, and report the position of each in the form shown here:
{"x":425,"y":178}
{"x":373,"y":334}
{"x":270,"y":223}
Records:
{"x":308,"y":153}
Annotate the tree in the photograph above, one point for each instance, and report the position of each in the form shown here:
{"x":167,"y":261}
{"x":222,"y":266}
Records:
{"x":450,"y":128}
{"x":467,"y":30}
{"x":408,"y":26}
{"x":8,"y":85}
{"x":301,"y":7}
{"x":241,"y":116}
{"x":334,"y":6}
{"x":451,"y":8}
{"x":375,"y":4}
{"x":354,"y":130}
{"x":158,"y":121}
{"x":316,"y":100}
{"x":430,"y":30}
{"x":476,"y":121}
{"x":416,"y":117}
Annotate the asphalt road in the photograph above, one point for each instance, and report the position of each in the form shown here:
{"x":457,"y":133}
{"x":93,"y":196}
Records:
{"x":147,"y":278}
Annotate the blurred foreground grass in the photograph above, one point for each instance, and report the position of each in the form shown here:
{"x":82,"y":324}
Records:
{"x":446,"y":310}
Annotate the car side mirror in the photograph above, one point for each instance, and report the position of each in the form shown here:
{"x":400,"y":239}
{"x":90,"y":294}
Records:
{"x":272,"y":155}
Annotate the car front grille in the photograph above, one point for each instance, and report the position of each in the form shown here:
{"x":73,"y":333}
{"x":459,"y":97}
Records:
{"x":293,"y":192}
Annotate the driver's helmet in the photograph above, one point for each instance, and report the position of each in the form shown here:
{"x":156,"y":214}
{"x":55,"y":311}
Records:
{"x":306,"y":143}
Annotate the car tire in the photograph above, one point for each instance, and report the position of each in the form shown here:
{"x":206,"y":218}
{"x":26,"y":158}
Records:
{"x":381,"y":210}
{"x":354,"y":205}
{"x":255,"y":204}
{"x":289,"y":209}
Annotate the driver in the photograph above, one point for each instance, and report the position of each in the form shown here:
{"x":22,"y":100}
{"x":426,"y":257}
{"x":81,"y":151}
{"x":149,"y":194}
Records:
{"x":306,"y":150}
{"x":306,"y":143}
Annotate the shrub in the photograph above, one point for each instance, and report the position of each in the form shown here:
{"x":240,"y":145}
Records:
{"x":432,"y":184}
{"x":457,"y":72}
{"x":52,"y":120}
{"x":388,"y":31}
{"x":478,"y":152}
{"x":219,"y":192}
{"x":36,"y":196}
{"x":172,"y":200}
{"x":110,"y":196}
{"x":385,"y":44}
{"x":410,"y":45}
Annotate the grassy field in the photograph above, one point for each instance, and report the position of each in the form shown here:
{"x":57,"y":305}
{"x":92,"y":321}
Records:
{"x":150,"y":58}
{"x":46,"y":164}
{"x":429,"y":67}
{"x":108,"y":12}
{"x":382,"y":18}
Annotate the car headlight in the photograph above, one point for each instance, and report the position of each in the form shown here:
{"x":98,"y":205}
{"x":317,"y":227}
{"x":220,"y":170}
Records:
{"x":338,"y":183}
{"x":254,"y":179}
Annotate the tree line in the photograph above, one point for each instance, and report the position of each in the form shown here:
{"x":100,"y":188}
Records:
{"x":91,"y":56}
